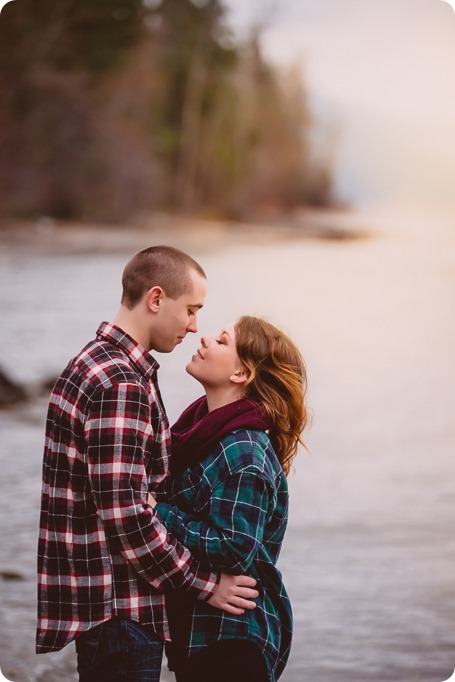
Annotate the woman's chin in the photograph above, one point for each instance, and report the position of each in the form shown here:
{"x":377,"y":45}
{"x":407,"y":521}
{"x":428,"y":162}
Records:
{"x":191,"y":369}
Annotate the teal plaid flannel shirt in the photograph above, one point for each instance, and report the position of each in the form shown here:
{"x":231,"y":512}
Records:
{"x":230,"y":510}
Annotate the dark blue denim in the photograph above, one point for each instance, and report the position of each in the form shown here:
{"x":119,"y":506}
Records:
{"x":119,"y":650}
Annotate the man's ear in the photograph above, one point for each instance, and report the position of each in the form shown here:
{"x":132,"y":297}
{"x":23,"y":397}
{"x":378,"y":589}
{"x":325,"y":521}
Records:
{"x":238,"y":377}
{"x":153,"y":299}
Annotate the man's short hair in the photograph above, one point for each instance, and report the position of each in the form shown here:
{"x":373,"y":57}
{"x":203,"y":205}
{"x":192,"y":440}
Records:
{"x":162,"y":266}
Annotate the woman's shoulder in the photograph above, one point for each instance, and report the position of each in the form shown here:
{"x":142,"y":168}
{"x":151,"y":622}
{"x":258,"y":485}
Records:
{"x":244,"y":435}
{"x":248,"y":448}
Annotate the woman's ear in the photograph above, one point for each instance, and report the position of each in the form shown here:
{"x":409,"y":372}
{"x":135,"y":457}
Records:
{"x":153,"y":298}
{"x":238,"y":377}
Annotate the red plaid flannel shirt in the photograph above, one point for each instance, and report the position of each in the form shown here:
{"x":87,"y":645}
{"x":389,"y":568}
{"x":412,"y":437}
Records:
{"x":102,"y":550}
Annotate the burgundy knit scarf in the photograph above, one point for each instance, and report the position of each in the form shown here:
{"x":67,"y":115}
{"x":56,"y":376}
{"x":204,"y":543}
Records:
{"x":197,"y":431}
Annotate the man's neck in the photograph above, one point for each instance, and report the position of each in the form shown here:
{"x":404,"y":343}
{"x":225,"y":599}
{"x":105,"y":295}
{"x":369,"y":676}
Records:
{"x":125,"y":319}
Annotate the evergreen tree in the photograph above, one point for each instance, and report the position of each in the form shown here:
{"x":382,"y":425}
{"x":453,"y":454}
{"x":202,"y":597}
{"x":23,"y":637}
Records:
{"x":110,"y":107}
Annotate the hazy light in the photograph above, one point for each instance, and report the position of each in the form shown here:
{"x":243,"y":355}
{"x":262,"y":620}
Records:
{"x":152,"y":4}
{"x":383,"y":73}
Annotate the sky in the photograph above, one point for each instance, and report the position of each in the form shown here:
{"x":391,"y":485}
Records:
{"x":380,"y":73}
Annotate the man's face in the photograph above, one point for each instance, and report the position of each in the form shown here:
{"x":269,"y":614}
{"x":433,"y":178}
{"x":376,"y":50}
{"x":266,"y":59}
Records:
{"x":177,"y":317}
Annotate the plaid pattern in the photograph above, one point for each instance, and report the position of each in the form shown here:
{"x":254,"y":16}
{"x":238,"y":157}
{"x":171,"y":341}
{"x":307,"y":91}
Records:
{"x":102,"y":550}
{"x":231,"y":511}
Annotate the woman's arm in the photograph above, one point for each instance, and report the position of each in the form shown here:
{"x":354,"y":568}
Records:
{"x":236,"y":512}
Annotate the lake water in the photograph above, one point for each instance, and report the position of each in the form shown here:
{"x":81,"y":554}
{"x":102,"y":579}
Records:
{"x":369,"y":557}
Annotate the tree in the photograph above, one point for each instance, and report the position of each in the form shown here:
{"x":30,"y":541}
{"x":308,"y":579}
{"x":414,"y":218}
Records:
{"x":54,"y":56}
{"x":113,"y":107}
{"x":196,"y":58}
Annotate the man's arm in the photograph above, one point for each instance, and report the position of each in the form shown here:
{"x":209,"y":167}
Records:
{"x":117,"y":430}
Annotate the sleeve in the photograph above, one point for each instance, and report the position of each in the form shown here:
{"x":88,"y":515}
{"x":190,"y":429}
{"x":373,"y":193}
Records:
{"x":117,"y":430}
{"x":237,"y":513}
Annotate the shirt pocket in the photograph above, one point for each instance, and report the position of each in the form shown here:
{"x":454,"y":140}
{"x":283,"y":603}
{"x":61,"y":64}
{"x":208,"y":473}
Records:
{"x":191,"y":492}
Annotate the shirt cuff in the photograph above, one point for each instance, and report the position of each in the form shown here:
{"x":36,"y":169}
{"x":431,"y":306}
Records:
{"x":162,"y":509}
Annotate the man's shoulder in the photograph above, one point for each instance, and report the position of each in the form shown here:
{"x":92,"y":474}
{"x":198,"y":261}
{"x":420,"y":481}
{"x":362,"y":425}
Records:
{"x":100,"y":364}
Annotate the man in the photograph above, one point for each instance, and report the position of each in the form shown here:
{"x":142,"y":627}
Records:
{"x":104,"y":559}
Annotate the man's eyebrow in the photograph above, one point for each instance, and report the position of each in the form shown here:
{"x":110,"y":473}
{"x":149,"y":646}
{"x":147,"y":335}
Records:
{"x":196,"y":305}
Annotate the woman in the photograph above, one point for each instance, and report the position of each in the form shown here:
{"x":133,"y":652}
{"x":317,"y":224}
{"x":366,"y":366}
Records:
{"x":232,"y":450}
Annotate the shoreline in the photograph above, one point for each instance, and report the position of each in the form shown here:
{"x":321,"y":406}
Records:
{"x":46,"y":236}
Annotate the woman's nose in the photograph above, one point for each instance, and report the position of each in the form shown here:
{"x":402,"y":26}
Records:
{"x":205,"y":341}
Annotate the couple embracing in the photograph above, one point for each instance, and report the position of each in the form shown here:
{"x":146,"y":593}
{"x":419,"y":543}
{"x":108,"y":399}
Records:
{"x":151,"y":535}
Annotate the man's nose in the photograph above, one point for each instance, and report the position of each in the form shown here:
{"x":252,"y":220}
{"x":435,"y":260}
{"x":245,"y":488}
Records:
{"x":192,"y":326}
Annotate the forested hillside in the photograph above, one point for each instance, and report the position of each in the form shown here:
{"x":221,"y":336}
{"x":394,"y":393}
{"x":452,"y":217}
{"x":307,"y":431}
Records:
{"x":114,"y":107}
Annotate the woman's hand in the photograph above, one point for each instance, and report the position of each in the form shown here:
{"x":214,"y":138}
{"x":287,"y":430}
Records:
{"x":151,"y":501}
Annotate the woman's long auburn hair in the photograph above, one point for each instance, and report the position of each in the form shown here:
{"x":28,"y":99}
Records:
{"x":277,"y":378}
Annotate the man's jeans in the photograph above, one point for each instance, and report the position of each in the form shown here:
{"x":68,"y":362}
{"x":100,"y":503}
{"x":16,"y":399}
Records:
{"x":119,"y":650}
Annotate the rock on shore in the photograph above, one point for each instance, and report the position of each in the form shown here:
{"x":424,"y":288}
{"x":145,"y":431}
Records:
{"x":10,"y":391}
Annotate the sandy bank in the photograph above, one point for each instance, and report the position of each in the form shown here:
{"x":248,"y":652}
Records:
{"x":46,"y":236}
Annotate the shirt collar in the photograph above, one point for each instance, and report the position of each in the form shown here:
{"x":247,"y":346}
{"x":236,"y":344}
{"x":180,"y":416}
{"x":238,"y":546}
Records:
{"x":137,"y":353}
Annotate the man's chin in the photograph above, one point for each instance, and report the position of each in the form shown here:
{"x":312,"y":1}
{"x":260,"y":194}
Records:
{"x":163,"y":349}
{"x":168,"y":348}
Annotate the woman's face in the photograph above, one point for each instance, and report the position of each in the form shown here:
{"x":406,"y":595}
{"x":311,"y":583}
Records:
{"x":216,"y":361}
